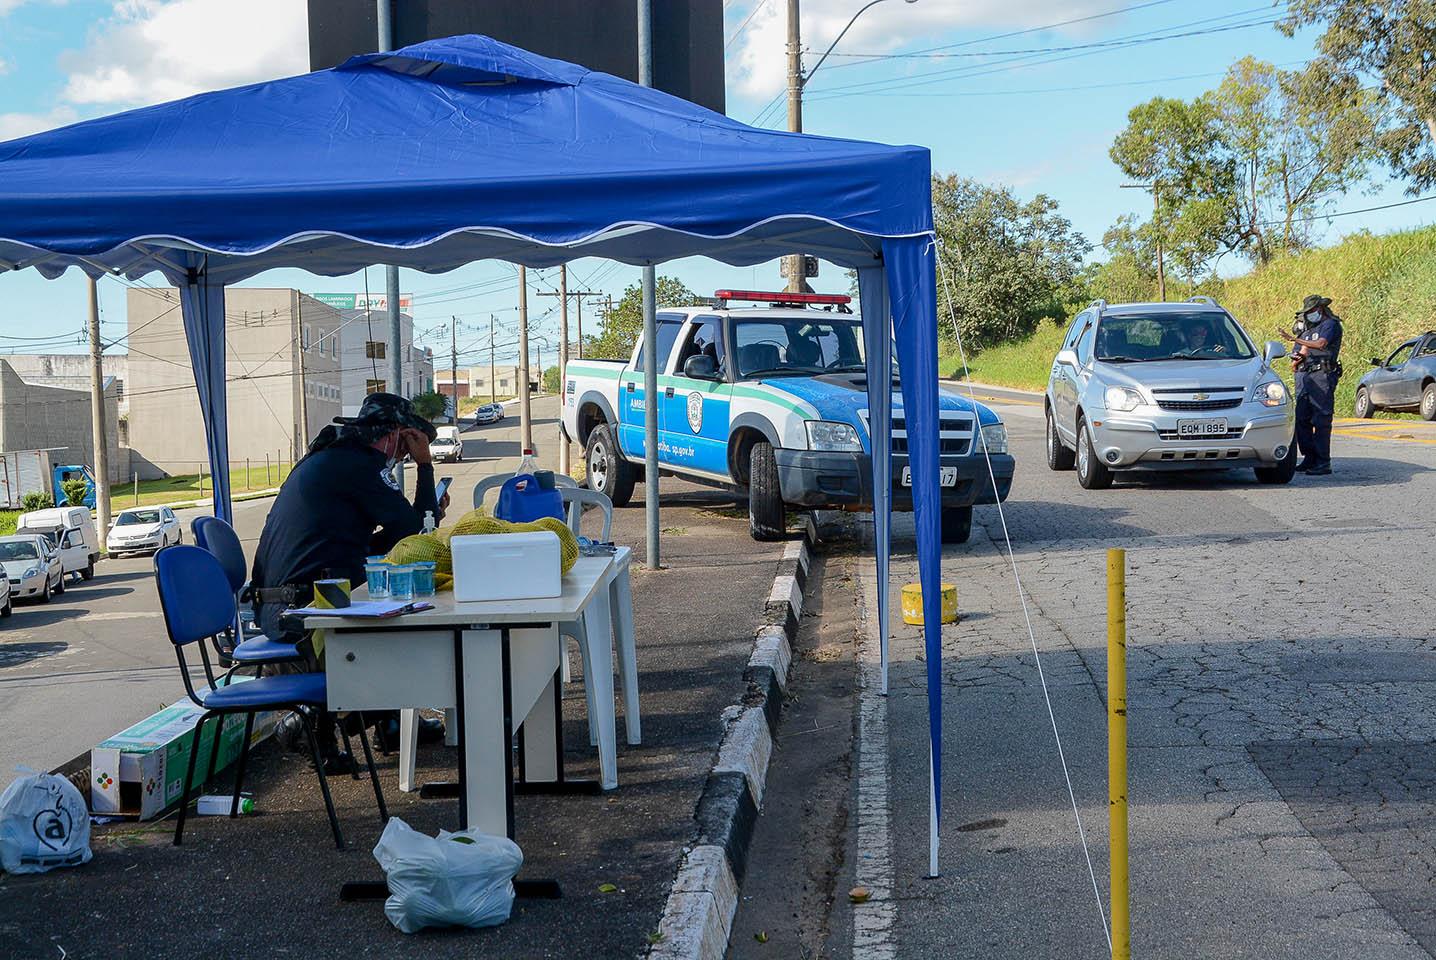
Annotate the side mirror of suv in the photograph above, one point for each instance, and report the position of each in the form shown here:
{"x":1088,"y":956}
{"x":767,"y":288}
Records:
{"x":1274,"y":351}
{"x":701,"y":367}
{"x":1067,"y":358}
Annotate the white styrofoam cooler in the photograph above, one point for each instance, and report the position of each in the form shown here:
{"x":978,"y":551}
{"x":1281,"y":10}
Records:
{"x":507,"y":566}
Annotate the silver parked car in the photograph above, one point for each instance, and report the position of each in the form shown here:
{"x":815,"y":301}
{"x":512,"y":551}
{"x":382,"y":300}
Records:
{"x":32,"y":566}
{"x":1166,"y":386}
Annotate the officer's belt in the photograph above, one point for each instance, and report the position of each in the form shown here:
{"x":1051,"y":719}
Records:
{"x":289,"y":594}
{"x":1319,"y":366}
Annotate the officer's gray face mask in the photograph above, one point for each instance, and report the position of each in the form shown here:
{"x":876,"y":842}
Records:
{"x":1312,"y":316}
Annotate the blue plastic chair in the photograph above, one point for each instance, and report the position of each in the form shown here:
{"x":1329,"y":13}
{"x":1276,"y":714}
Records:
{"x":219,"y":538}
{"x":198,"y":603}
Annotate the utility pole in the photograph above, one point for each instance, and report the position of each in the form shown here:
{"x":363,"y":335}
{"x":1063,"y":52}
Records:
{"x":650,"y":325}
{"x":97,"y":412}
{"x":303,"y":375}
{"x":454,"y":364}
{"x":562,"y":364}
{"x":797,"y":283}
{"x":384,"y":14}
{"x":1156,"y":187}
{"x":526,"y":425}
{"x":493,"y":389}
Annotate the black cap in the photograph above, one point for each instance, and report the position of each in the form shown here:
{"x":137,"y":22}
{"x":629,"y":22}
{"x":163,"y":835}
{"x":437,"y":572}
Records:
{"x":388,"y":410}
{"x":1315,"y":301}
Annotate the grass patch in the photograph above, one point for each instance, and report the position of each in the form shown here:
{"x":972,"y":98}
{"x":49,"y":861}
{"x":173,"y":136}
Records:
{"x":1383,"y":288}
{"x":8,"y":519}
{"x":184,"y":487}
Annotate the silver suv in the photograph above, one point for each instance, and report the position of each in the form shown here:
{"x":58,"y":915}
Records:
{"x":1166,"y":386}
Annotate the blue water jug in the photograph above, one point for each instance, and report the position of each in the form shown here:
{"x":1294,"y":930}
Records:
{"x":522,"y":500}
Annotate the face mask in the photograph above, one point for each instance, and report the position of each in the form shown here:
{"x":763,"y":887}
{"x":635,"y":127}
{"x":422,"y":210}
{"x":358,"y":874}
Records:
{"x":1312,"y":316}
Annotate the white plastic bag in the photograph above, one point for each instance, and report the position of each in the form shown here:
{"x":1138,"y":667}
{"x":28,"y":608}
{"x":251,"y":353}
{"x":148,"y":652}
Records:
{"x":460,"y":879}
{"x":43,"y":825}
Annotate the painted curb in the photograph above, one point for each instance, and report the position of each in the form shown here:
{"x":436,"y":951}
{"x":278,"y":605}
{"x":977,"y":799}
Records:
{"x":698,"y":916}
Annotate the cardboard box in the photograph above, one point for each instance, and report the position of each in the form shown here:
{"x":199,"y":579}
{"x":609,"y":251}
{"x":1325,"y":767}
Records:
{"x":139,"y":772}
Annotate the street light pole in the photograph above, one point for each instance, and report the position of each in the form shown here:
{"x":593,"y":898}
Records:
{"x":526,"y":425}
{"x":650,"y":327}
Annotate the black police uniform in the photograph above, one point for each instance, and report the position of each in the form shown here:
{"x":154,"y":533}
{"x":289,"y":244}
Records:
{"x":1316,"y":392}
{"x":339,"y":506}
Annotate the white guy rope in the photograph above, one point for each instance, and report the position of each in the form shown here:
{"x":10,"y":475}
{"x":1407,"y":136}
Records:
{"x":1022,"y":598}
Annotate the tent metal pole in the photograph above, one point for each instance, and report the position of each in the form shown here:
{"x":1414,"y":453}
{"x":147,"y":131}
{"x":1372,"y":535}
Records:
{"x":650,"y":328}
{"x":384,"y":15}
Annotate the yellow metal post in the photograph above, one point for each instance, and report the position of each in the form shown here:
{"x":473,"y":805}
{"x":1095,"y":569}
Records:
{"x":1117,"y":748}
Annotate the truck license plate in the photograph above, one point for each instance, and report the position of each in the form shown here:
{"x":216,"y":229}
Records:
{"x":1214,"y":427}
{"x":947,"y":477}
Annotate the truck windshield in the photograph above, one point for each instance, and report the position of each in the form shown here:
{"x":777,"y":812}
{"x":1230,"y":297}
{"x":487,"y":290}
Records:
{"x":18,"y":550}
{"x":793,"y":346}
{"x":133,"y":517}
{"x":1204,"y":335}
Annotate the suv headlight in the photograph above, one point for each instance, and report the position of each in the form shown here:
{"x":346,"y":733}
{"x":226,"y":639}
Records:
{"x":831,"y":436}
{"x":1122,"y":399}
{"x":1270,"y":394}
{"x":994,"y":437}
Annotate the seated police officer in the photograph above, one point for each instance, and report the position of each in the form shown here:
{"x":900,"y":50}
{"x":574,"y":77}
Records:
{"x":339,"y":505}
{"x":1318,"y":367}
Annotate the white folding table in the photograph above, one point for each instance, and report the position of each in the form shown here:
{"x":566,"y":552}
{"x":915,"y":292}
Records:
{"x":496,"y":663}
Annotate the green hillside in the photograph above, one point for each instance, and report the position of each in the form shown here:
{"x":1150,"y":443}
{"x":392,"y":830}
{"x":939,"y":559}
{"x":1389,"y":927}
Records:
{"x":1383,"y":288}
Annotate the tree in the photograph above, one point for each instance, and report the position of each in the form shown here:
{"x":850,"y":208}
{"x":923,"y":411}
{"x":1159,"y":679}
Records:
{"x":1393,"y":42}
{"x":1010,"y":263}
{"x":1247,"y":168}
{"x":623,"y":325}
{"x":550,"y":380}
{"x":431,"y":405}
{"x":1296,"y":139}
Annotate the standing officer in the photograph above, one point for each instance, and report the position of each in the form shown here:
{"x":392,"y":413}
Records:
{"x":1318,"y":367}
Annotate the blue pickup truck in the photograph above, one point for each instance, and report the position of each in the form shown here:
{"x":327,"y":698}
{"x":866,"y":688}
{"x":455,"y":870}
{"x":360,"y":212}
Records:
{"x":772,"y":401}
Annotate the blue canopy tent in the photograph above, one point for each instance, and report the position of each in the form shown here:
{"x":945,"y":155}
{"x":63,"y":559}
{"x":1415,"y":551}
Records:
{"x":466,"y":149}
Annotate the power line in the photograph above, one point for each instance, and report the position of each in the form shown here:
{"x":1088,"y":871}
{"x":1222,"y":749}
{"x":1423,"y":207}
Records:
{"x":744,"y":25}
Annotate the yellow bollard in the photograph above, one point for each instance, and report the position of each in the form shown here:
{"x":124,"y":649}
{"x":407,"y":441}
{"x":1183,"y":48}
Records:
{"x":912,"y":603}
{"x":1117,"y":749}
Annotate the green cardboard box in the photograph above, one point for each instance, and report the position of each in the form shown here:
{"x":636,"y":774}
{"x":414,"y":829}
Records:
{"x":139,"y":772}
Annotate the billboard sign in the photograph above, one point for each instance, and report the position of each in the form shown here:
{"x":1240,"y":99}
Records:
{"x":359,"y":301}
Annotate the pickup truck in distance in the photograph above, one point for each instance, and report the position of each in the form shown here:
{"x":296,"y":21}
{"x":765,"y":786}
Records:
{"x":771,"y":400}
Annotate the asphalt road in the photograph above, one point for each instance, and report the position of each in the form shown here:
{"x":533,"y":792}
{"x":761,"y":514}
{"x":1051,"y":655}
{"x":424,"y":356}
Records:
{"x":1282,"y":708}
{"x":94,"y":661}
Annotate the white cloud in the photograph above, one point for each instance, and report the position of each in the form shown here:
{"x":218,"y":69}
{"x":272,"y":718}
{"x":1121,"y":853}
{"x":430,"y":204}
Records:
{"x":4,"y":66}
{"x":14,"y":125}
{"x":758,"y":60}
{"x":148,"y":51}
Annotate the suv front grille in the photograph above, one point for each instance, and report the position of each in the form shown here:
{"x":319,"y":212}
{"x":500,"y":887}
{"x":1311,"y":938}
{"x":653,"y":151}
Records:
{"x":1232,"y":434}
{"x":1226,"y":403}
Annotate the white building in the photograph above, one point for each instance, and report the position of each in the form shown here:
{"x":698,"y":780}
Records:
{"x":363,"y":349}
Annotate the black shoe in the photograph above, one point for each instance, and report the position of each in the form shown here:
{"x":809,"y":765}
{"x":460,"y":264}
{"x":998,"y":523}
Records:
{"x":386,"y":734}
{"x":289,"y":732}
{"x":431,"y":730}
{"x":1305,"y":465}
{"x":1321,"y":470}
{"x":340,"y":763}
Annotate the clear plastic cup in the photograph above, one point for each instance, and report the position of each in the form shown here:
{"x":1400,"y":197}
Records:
{"x":401,"y":581}
{"x":424,"y":577}
{"x":376,"y":572}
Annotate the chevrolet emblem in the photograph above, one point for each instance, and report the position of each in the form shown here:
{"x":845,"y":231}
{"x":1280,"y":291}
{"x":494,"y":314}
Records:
{"x":1199,"y":396}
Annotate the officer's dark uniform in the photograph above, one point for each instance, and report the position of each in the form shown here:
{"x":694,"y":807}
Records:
{"x":338,"y":507}
{"x":1316,"y":389}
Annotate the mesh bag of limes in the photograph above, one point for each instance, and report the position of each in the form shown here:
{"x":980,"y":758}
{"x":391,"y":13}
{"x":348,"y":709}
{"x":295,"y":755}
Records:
{"x":434,"y":547}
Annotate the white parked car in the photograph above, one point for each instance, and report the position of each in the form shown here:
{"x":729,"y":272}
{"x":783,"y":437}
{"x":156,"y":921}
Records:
{"x":448,"y":445}
{"x":143,"y":529}
{"x":71,"y":531}
{"x":32,"y":567}
{"x":1166,"y":386}
{"x":7,"y":606}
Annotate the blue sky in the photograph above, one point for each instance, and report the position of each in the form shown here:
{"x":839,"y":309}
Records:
{"x":1039,"y":122}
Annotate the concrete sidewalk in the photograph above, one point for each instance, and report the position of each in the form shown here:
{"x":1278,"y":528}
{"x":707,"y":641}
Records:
{"x":267,"y":885}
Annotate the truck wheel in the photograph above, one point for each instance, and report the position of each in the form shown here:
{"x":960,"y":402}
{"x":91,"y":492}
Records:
{"x":1280,"y":472}
{"x":767,"y":514}
{"x":1092,"y":473}
{"x":606,"y":471}
{"x":1058,"y":456}
{"x":956,"y":524}
{"x":89,"y":572}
